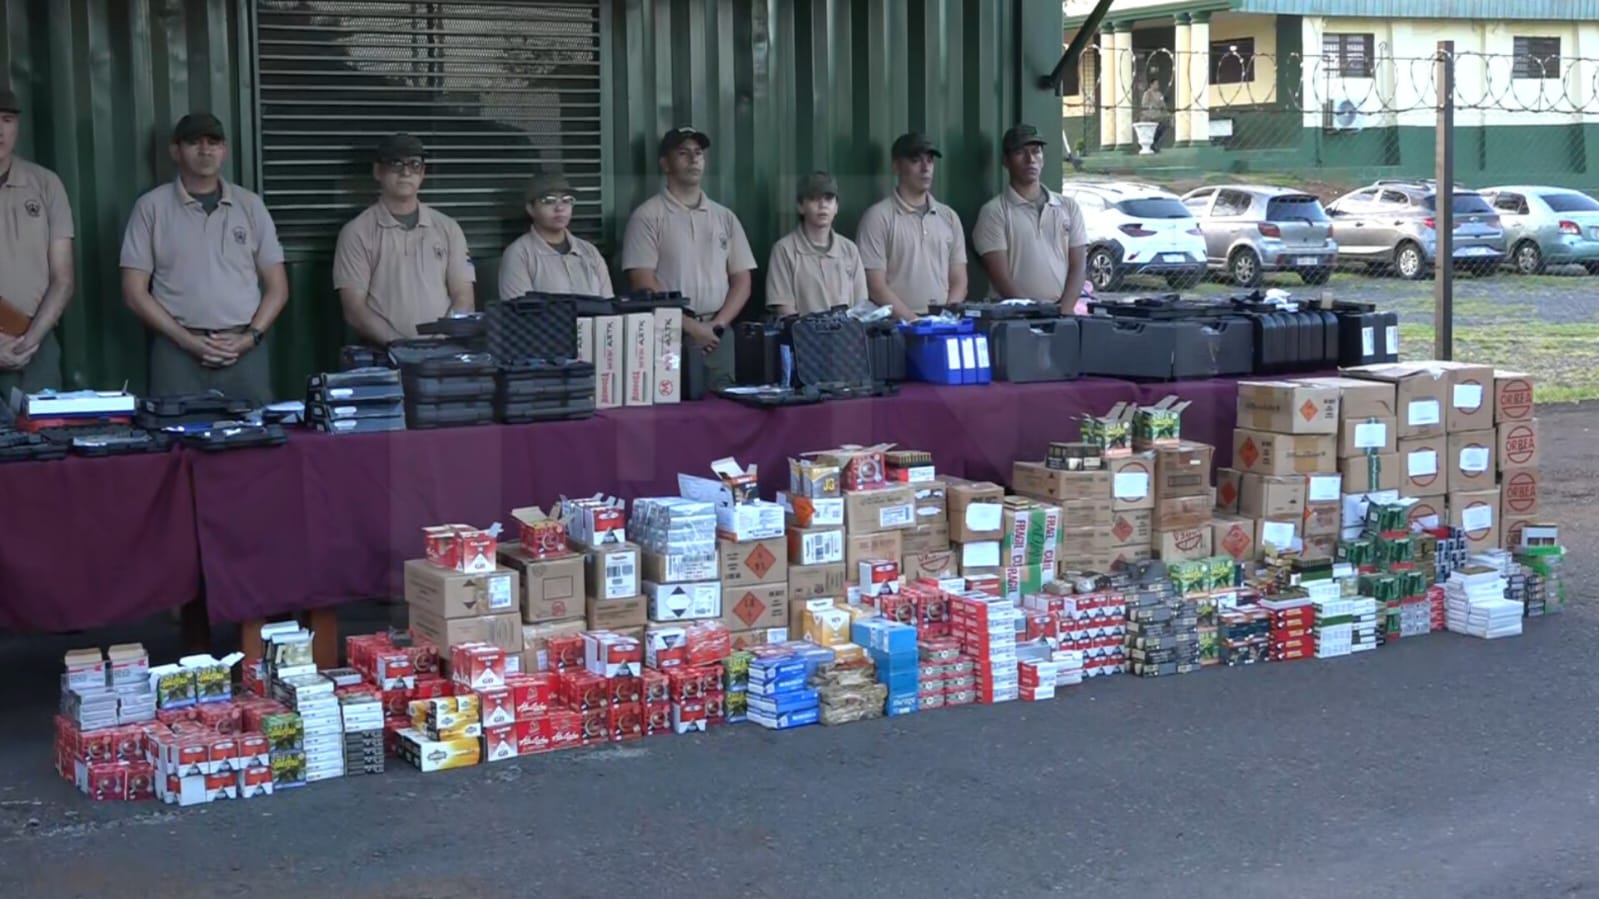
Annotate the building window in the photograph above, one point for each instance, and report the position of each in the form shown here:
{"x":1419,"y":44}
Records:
{"x":1232,"y":61}
{"x":1537,"y":57}
{"x":1071,"y":82}
{"x":496,"y":90}
{"x":1348,"y":55}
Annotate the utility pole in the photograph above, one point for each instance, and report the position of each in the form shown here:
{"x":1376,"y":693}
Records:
{"x":1443,"y":285}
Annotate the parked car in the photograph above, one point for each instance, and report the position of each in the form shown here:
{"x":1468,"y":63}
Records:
{"x":1547,"y":226}
{"x":1138,"y":229}
{"x":1393,"y":222}
{"x":1253,"y":229}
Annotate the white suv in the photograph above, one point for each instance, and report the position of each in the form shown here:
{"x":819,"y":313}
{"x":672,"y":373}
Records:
{"x":1138,"y":229}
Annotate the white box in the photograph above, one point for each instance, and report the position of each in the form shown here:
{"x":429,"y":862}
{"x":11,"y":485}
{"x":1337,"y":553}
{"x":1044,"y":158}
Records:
{"x":684,"y":602}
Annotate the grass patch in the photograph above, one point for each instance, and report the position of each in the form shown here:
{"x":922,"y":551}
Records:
{"x":1564,"y":359}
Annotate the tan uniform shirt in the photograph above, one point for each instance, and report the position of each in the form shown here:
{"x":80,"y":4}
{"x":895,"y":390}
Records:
{"x":810,"y":280}
{"x":404,"y":275}
{"x":33,"y":212}
{"x":204,"y":269}
{"x":692,"y":250}
{"x":913,"y":247}
{"x":1034,"y":241}
{"x":531,"y":264}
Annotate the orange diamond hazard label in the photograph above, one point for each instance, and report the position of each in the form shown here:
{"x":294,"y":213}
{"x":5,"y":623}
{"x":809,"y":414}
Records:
{"x":759,"y":561}
{"x":1122,"y":529}
{"x":1237,"y":542}
{"x":1308,"y":410}
{"x":749,"y":609}
{"x":1249,"y":452}
{"x":1228,"y":492}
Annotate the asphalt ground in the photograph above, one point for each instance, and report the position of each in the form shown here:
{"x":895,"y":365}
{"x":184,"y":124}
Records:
{"x":1440,"y":766}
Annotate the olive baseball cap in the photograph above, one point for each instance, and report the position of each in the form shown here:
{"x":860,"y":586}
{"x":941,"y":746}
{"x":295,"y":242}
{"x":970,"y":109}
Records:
{"x":817,"y":184}
{"x":8,"y":102}
{"x":400,"y":147}
{"x":1020,"y":136}
{"x":912,"y":145}
{"x":548,"y":184}
{"x":197,"y":125}
{"x":676,"y":137}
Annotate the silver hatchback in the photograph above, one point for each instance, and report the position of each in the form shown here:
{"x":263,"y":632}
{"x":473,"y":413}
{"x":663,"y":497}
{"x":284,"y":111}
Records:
{"x":1253,"y":229}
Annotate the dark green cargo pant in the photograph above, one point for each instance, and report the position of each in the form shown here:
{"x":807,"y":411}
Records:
{"x":43,"y":373}
{"x":173,"y":371}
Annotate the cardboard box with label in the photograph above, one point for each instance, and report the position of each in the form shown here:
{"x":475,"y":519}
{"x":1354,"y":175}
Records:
{"x":1183,"y":512}
{"x":1425,"y":470}
{"x":1229,"y":487}
{"x":1160,"y":424}
{"x":929,"y":565}
{"x":1512,"y":528}
{"x":1429,"y":512}
{"x":535,"y":636}
{"x":1516,"y":444}
{"x":1364,"y":436}
{"x":1271,"y":496}
{"x":1477,"y":514}
{"x":1088,"y":513}
{"x":552,"y":589}
{"x":1183,"y":470}
{"x":1080,"y":548}
{"x":1186,"y":543}
{"x":452,"y":594}
{"x":1358,"y":398}
{"x":1031,"y":532}
{"x":670,"y":603}
{"x":1276,"y":533}
{"x":504,"y":631}
{"x":1323,"y":488}
{"x":1132,"y":482}
{"x":1231,"y":535}
{"x":615,"y":614}
{"x":1319,"y":547}
{"x":1287,"y":407}
{"x":816,"y":581}
{"x":1279,"y":454}
{"x":678,"y":568}
{"x":610,"y":344}
{"x":888,"y":508}
{"x":1518,"y":495}
{"x":931,"y":502}
{"x":612,"y":572}
{"x":668,"y":356}
{"x":981,"y":556}
{"x":1038,"y":481}
{"x":811,"y":511}
{"x":1323,"y":519}
{"x":734,"y":490}
{"x":1422,"y":393}
{"x":876,"y":545}
{"x":1512,"y":396}
{"x":755,"y":606}
{"x":1134,"y":528}
{"x":925,"y":538}
{"x":753,"y":561}
{"x":975,"y":511}
{"x":1368,"y":474}
{"x":638,"y":358}
{"x":815,"y":546}
{"x":1471,"y":460}
{"x":1471,"y":397}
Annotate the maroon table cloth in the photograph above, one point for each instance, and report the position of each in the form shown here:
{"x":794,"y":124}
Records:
{"x":326,"y":520}
{"x":91,"y":542}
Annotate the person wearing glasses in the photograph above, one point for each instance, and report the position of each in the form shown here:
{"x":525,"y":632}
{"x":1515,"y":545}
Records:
{"x":401,"y":263}
{"x":549,"y":258}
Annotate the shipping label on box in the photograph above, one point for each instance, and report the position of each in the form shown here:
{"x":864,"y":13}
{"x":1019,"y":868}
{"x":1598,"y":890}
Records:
{"x":878,"y":545}
{"x":1323,"y":488}
{"x":1429,"y":512}
{"x":1234,"y":536}
{"x":1426,"y":467}
{"x":1183,"y":470}
{"x":1229,"y":487}
{"x":1518,"y":495}
{"x":1422,"y":395}
{"x":978,"y":556}
{"x":1477,"y":514}
{"x":638,"y":362}
{"x":1471,"y":397}
{"x":1516,"y":444}
{"x":1362,"y":436}
{"x":1369,"y":474}
{"x":552,"y":589}
{"x":1132,"y":481}
{"x":815,"y":546}
{"x":1186,"y":543}
{"x":1276,"y":533}
{"x":1512,"y":396}
{"x":612,"y":572}
{"x":668,"y":356}
{"x":816,"y":581}
{"x":755,"y":606}
{"x":1287,"y":407}
{"x":676,"y":568}
{"x":1134,"y":528}
{"x":1471,"y":460}
{"x":1279,"y":454}
{"x":609,"y":352}
{"x":1271,"y":496}
{"x":684,"y":602}
{"x":1034,"y":479}
{"x":975,"y":511}
{"x":451,"y":594}
{"x":925,"y":538}
{"x":879,"y":509}
{"x":753,"y":562}
{"x":931,"y":502}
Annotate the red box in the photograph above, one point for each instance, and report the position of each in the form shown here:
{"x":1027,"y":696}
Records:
{"x":432,"y":687}
{"x":715,"y":707}
{"x":255,"y":780}
{"x":626,"y":721}
{"x":564,"y":651}
{"x":610,"y":654}
{"x":460,"y":547}
{"x":657,"y":718}
{"x":391,"y":668}
{"x":140,"y":780}
{"x":707,"y":642}
{"x":985,"y":584}
{"x":657,"y":686}
{"x":500,"y":742}
{"x":625,"y":690}
{"x":542,"y":536}
{"x":595,"y":727}
{"x":497,"y":707}
{"x":108,"y":782}
{"x":583,"y":690}
{"x":897,"y":607}
{"x":532,"y":694}
{"x":688,"y":716}
{"x":477,"y":665}
{"x":689,"y":684}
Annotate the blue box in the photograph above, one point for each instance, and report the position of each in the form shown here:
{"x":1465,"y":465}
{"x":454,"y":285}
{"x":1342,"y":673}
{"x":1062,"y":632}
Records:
{"x":900,"y":683}
{"x":786,"y":720}
{"x":894,"y":663}
{"x":766,"y":670}
{"x":880,"y":635}
{"x":784,"y":702}
{"x":785,"y":684}
{"x":902,"y":705}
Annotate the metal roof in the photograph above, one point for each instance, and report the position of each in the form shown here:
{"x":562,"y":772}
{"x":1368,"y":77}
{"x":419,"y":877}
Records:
{"x":1534,"y":10}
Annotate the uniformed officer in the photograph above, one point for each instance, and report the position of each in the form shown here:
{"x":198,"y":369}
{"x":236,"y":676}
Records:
{"x":1032,"y":240}
{"x":400,"y":263}
{"x":813,"y":268}
{"x":549,"y":258}
{"x":202,"y":268}
{"x":35,"y":263}
{"x":912,"y":245}
{"x":682,"y":240}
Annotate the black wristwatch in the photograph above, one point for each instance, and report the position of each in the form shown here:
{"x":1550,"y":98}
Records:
{"x":257,"y":335}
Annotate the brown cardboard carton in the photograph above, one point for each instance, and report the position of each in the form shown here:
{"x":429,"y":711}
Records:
{"x":1323,"y":488}
{"x":668,"y":356}
{"x":679,"y":569}
{"x":881,"y":545}
{"x":610,"y":614}
{"x":1471,"y":397}
{"x":1038,"y":481}
{"x":1187,"y":543}
{"x":931,"y":502}
{"x":638,"y":362}
{"x":934,"y":565}
{"x":882,"y":509}
{"x":1132,"y":482}
{"x":1425,"y":470}
{"x":759,"y":637}
{"x":1271,"y":496}
{"x":1233,"y":536}
{"x":1183,"y":512}
{"x":1511,"y":526}
{"x":451,"y":594}
{"x":1369,"y":474}
{"x":1361,"y":436}
{"x":1430,"y":512}
{"x":1359,"y":398}
{"x":1516,"y":444}
{"x":1085,"y":543}
{"x":1279,"y":454}
{"x":1087,"y":513}
{"x":927,"y":538}
{"x":1287,"y":407}
{"x":612,"y":572}
{"x":1322,"y":519}
{"x":1477,"y":514}
{"x":753,"y":561}
{"x":1471,"y":460}
{"x":814,"y":582}
{"x":1229,"y":486}
{"x":1183,"y":470}
{"x":504,"y":631}
{"x":552,"y":589}
{"x":1518,"y":495}
{"x":1319,"y":546}
{"x":975,"y":511}
{"x":815,"y":546}
{"x":609,"y":365}
{"x":1512,"y":396}
{"x":755,"y":606}
{"x":1422,"y":394}
{"x":1135,"y":528}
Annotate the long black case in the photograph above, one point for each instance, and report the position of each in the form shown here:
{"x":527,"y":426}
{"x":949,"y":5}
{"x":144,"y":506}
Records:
{"x":536,"y":326}
{"x":1028,"y":342}
{"x":1165,"y":350}
{"x":108,"y":441}
{"x":886,"y":343}
{"x":242,"y":436}
{"x":425,"y":416}
{"x":1365,"y":335}
{"x":757,"y":349}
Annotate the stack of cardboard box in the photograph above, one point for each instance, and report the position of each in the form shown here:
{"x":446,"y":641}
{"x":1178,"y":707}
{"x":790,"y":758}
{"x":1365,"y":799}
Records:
{"x":1283,"y":489}
{"x":751,"y":549}
{"x":813,"y":509}
{"x":976,"y":526}
{"x":1105,"y":492}
{"x":637,"y":356}
{"x":459,"y":594}
{"x":1516,"y":453}
{"x":1181,"y":525}
{"x":554,"y":593}
{"x":597,"y":527}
